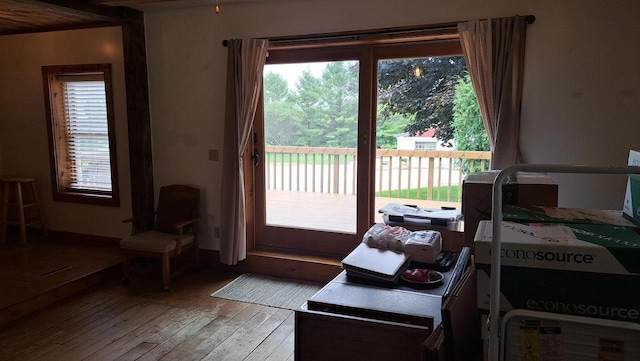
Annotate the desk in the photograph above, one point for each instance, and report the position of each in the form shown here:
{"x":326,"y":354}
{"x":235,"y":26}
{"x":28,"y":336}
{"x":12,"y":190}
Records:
{"x":352,"y":319}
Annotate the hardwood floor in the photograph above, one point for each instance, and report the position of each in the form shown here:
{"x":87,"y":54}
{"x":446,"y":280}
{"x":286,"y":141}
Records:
{"x":109,"y":321}
{"x":40,"y":272}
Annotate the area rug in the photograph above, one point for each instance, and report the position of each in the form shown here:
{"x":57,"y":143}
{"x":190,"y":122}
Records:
{"x":268,"y":291}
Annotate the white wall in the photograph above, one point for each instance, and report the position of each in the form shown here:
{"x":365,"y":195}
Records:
{"x":580,"y":94}
{"x":23,"y":125}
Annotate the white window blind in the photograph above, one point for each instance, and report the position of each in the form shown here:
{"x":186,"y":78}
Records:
{"x":87,"y":130}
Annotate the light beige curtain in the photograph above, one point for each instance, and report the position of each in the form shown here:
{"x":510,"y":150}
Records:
{"x":494,"y":52}
{"x":245,"y":63}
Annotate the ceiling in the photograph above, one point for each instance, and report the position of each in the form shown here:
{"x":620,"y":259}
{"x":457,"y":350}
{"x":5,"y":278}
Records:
{"x":27,"y":16}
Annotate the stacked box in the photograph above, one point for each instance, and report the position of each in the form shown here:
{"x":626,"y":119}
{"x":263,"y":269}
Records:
{"x":631,"y":208}
{"x":590,"y":270}
{"x":548,"y":214}
{"x":520,"y":188}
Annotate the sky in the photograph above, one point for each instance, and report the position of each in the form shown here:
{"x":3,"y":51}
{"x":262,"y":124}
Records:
{"x":291,"y":72}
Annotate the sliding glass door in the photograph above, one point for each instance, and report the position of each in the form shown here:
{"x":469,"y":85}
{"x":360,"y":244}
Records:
{"x":315,"y":138}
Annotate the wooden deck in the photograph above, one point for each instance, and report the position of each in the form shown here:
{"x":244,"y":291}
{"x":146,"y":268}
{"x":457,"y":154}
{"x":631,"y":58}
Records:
{"x":327,"y":210}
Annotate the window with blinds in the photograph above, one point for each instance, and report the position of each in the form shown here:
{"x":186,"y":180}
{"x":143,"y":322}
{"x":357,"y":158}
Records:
{"x":85,"y":112}
{"x":81,"y":129}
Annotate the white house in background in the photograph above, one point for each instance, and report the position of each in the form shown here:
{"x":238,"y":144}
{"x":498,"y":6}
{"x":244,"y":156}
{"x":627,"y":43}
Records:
{"x":420,"y":141}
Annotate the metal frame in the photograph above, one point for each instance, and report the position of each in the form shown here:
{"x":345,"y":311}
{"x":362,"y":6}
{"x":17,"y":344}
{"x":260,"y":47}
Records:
{"x":496,"y":216}
{"x":627,"y":328}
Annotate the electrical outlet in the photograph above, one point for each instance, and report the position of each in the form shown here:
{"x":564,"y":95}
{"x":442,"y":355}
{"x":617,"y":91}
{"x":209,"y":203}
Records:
{"x":213,"y":155}
{"x":216,"y":232}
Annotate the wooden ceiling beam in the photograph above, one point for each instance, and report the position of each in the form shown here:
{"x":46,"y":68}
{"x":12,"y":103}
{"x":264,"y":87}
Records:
{"x":29,"y":16}
{"x":131,"y":2}
{"x":116,"y":14}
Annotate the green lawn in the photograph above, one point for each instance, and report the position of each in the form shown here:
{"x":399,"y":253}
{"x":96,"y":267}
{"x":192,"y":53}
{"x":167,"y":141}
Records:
{"x":423,"y":194}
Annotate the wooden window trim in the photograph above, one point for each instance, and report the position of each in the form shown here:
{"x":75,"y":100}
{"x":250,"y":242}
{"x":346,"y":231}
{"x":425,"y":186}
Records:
{"x":368,"y":38}
{"x":57,"y":143}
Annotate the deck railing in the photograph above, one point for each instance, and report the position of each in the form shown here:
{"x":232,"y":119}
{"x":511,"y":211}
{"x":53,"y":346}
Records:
{"x":399,"y":173}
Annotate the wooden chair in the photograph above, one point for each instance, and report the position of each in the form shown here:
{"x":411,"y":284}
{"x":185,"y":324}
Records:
{"x":174,"y":230}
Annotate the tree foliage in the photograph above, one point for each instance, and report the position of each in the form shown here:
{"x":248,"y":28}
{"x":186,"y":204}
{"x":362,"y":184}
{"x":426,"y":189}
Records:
{"x":281,"y":117}
{"x":469,"y":132}
{"x":322,"y":111}
{"x":319,"y":112}
{"x":425,"y":97}
{"x":388,"y":129}
{"x":276,"y":88}
{"x":307,"y":101}
{"x":339,"y":84}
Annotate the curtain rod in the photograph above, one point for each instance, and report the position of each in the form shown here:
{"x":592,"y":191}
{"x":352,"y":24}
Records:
{"x":528,"y":19}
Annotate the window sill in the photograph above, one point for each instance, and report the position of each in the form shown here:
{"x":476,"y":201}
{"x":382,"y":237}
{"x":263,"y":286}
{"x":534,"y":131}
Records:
{"x":87,"y":198}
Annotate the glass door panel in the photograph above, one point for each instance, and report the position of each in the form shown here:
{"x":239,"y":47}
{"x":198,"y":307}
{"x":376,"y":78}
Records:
{"x":310,"y":145}
{"x":415,"y":101}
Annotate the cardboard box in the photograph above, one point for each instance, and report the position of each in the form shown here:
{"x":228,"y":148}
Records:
{"x":631,"y":208}
{"x":522,"y":188}
{"x":549,"y":214}
{"x":590,"y":270}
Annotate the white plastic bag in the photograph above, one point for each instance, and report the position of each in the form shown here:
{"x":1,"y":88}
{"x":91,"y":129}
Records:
{"x":383,"y":236}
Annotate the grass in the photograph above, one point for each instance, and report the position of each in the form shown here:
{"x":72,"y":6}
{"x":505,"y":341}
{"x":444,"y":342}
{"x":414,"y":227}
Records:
{"x":413,"y":194}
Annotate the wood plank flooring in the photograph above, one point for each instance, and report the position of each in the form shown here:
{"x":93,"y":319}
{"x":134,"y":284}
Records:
{"x":43,"y":271}
{"x":140,"y":322}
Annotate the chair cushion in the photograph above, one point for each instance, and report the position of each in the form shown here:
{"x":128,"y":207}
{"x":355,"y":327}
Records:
{"x":153,"y":241}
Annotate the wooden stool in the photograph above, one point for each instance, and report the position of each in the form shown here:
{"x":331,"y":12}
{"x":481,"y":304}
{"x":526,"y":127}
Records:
{"x":15,"y":185}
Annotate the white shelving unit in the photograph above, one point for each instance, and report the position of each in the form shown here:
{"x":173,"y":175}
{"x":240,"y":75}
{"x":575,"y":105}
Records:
{"x":494,"y":347}
{"x":581,"y":338}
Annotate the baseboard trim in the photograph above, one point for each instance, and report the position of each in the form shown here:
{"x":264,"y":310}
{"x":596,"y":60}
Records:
{"x":314,"y":269}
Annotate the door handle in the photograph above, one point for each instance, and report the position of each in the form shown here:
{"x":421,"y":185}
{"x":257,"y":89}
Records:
{"x":256,"y":158}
